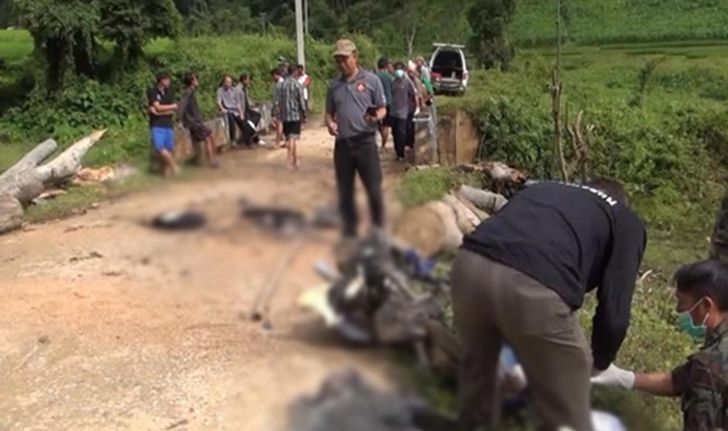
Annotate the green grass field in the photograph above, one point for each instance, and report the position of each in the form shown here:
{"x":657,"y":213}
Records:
{"x":599,"y":22}
{"x":15,"y":45}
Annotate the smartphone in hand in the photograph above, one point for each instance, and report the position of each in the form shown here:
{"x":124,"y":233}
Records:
{"x":371,"y":114}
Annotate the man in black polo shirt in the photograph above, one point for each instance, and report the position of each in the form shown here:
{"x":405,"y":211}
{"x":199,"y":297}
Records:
{"x":161,"y":108}
{"x":520,"y":277}
{"x":355,"y":103}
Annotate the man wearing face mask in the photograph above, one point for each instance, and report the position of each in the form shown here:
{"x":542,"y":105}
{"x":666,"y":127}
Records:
{"x":404,"y":96}
{"x":702,"y":381}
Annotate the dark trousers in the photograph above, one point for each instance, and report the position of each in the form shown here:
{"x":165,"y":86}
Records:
{"x":400,"y":133}
{"x":250,"y":134}
{"x":493,"y":303}
{"x":234,"y":122}
{"x":354,"y":155}
{"x":411,"y":130}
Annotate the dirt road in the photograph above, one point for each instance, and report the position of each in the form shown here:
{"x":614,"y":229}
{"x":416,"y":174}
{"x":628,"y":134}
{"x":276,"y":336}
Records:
{"x":107,"y":324}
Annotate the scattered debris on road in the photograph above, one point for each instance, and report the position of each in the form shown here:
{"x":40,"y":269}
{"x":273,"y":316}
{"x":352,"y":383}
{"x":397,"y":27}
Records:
{"x":104,"y":174}
{"x":346,"y":402}
{"x":261,"y":305}
{"x":277,"y":220}
{"x":178,"y":424}
{"x":47,"y":196}
{"x":179,"y":220}
{"x":42,"y":341}
{"x":386,"y":294}
{"x":91,"y":255}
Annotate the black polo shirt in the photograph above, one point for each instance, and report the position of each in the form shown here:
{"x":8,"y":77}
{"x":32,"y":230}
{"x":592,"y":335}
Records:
{"x":164,"y":98}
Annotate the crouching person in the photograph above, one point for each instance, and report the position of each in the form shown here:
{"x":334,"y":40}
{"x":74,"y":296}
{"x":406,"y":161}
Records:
{"x":192,"y":120}
{"x":161,"y":124}
{"x":521,"y":276}
{"x":702,"y":381}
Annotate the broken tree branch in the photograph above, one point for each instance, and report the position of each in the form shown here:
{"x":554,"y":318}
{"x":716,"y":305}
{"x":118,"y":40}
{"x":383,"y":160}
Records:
{"x":69,"y":161}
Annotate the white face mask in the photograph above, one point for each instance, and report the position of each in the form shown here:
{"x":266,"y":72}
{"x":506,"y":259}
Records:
{"x":399,"y":73}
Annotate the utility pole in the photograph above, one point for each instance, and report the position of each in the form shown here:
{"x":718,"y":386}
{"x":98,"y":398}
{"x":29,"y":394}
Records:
{"x":299,"y":33}
{"x":306,"y":15}
{"x":559,"y":162}
{"x":264,"y":22}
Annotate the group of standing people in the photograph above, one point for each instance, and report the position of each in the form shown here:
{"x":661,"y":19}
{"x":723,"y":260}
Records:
{"x":162,"y":107}
{"x":408,"y":90}
{"x":233,"y":102}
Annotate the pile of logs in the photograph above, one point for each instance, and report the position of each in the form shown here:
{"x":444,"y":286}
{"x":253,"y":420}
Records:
{"x":28,"y":178}
{"x":439,"y":226}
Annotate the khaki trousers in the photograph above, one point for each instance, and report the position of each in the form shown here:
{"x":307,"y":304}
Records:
{"x":494,"y":303}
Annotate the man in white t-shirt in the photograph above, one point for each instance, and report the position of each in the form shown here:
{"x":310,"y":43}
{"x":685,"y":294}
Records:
{"x":305,"y":82}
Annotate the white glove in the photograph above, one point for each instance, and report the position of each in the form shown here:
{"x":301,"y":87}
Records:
{"x":614,"y":376}
{"x":518,"y":377}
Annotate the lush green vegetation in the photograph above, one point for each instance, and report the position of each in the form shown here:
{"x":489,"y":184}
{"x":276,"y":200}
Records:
{"x":117,"y":100}
{"x":596,"y":21}
{"x":659,"y":113}
{"x":15,"y":45}
{"x":658,"y":122}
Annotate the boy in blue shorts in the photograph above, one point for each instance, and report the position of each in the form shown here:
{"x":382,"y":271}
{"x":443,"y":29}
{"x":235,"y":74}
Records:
{"x":161,"y":123}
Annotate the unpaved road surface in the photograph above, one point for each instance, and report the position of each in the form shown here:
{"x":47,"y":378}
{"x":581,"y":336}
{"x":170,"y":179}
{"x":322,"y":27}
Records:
{"x":108,"y":324}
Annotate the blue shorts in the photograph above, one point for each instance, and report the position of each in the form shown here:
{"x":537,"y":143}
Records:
{"x":163,"y":138}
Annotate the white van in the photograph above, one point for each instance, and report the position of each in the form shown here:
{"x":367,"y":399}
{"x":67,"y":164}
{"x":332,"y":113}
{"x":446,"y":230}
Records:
{"x":449,"y":68}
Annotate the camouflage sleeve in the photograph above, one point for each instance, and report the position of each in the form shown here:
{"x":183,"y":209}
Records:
{"x":701,"y":385}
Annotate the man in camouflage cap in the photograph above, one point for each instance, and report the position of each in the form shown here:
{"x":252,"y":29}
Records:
{"x":702,"y":381}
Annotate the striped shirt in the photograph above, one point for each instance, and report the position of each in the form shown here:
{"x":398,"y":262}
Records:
{"x":289,"y":100}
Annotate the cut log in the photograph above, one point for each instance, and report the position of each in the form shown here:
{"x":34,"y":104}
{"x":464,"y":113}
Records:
{"x":27,"y":184}
{"x":483,"y":199}
{"x":497,"y":171}
{"x":467,"y":221}
{"x":482,"y":215}
{"x":11,"y":213}
{"x":429,"y":229}
{"x":32,"y":159}
{"x":69,"y":161}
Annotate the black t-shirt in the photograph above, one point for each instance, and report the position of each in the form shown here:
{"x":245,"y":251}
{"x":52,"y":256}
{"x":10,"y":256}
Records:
{"x":164,"y":98}
{"x":571,"y":239}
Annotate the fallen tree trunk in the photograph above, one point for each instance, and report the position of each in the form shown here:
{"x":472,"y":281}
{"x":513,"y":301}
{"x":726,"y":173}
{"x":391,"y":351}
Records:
{"x":31,"y":160}
{"x":69,"y":161}
{"x":25,"y":181}
{"x":483,"y":199}
{"x":429,"y":229}
{"x":11,"y":213}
